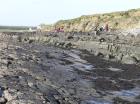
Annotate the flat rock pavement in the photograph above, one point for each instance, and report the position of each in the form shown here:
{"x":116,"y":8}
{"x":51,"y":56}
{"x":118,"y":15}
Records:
{"x":40,"y":74}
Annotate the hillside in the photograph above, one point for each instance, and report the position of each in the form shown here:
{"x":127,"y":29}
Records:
{"x":116,"y":20}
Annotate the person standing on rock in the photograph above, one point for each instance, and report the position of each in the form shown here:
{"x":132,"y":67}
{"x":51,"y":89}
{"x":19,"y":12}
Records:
{"x":106,"y":28}
{"x":58,"y":29}
{"x":101,"y":29}
{"x":62,"y":29}
{"x":95,"y":29}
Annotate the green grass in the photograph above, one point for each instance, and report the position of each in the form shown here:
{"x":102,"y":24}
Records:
{"x":14,"y":28}
{"x":9,"y":30}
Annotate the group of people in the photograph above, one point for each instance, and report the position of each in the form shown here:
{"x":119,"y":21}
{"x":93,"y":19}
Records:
{"x":59,"y":29}
{"x":101,"y":29}
{"x":96,"y":29}
{"x":105,"y":28}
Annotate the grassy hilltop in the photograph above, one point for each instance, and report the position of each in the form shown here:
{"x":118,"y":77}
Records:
{"x":116,"y":20}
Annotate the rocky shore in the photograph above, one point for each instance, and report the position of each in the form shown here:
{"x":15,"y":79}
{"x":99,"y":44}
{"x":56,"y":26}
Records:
{"x":69,"y":68}
{"x":115,"y":46}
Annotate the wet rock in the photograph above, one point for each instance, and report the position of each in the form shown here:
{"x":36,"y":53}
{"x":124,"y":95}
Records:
{"x":115,"y":69}
{"x":126,"y":85}
{"x":49,"y":55}
{"x":118,"y":100}
{"x":138,"y":97}
{"x":66,"y":62}
{"x":104,"y":84}
{"x":94,"y":101}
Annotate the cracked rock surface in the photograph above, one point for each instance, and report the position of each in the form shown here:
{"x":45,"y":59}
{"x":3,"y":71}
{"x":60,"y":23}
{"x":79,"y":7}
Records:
{"x":37,"y":73}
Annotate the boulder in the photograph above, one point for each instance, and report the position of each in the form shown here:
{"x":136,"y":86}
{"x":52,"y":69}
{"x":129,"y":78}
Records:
{"x":68,"y":45}
{"x":70,"y":37}
{"x":31,"y":41}
{"x":119,"y":56}
{"x":109,"y":56}
{"x":3,"y":100}
{"x":97,"y":53}
{"x":137,"y":56}
{"x":129,"y":60}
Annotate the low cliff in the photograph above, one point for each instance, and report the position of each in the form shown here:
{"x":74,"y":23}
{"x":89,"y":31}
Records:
{"x":116,"y":20}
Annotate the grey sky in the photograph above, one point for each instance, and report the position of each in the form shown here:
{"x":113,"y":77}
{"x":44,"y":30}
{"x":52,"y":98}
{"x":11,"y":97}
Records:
{"x":34,"y":12}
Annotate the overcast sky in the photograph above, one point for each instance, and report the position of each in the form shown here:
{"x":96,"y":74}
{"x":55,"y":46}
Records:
{"x":34,"y":12}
